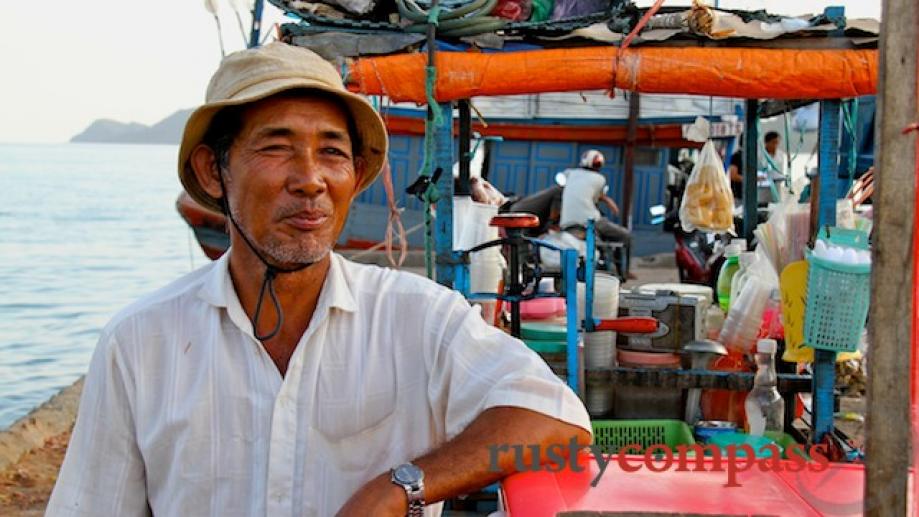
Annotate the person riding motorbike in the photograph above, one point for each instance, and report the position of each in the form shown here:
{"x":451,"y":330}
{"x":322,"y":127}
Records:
{"x":585,"y":186}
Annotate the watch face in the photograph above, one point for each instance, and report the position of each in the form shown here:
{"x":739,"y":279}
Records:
{"x":407,"y":474}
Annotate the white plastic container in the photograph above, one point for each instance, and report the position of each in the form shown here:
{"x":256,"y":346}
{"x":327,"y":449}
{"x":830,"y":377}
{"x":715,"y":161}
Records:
{"x":606,"y":297}
{"x":599,"y":350}
{"x":485,"y":275}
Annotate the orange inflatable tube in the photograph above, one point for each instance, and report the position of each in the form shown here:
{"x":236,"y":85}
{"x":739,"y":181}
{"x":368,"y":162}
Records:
{"x":752,"y":73}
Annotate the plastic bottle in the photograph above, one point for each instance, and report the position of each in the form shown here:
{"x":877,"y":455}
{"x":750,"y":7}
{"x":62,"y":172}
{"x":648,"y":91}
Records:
{"x":744,"y":262}
{"x":764,"y":407}
{"x":728,"y":270}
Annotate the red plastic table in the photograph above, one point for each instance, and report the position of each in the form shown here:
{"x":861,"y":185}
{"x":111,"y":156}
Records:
{"x":836,"y":491}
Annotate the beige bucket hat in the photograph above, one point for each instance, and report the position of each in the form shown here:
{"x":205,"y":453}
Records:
{"x":254,"y":74}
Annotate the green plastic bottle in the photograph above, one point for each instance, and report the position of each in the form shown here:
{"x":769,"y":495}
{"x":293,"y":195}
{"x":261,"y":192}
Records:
{"x":726,"y":275}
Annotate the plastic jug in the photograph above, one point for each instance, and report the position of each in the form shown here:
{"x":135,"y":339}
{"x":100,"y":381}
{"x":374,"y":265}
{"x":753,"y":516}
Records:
{"x":726,"y":275}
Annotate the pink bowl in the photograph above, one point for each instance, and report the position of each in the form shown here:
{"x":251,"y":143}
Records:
{"x":542,"y":308}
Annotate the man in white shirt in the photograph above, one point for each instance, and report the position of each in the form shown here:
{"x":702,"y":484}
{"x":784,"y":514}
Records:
{"x":585,"y":186}
{"x":283,"y":379}
{"x":771,"y":170}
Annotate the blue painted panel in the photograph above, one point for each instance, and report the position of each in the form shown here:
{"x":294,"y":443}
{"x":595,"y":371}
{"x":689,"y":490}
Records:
{"x":510,"y":165}
{"x":546,"y":160}
{"x":405,"y":159}
{"x":650,"y":183}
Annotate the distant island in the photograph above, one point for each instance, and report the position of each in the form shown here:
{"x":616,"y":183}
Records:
{"x":167,"y":131}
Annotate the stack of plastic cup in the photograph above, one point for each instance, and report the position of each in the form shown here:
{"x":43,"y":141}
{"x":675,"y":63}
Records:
{"x":606,"y":297}
{"x":600,"y":350}
{"x":741,"y":328}
{"x":600,"y":347}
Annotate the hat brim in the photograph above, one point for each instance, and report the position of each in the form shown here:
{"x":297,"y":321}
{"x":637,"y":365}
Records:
{"x":370,"y":128}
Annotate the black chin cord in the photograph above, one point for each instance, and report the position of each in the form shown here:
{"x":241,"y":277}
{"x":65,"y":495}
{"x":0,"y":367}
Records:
{"x":271,"y":272}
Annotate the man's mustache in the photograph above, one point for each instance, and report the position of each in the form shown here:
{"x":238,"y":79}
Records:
{"x":311,"y":207}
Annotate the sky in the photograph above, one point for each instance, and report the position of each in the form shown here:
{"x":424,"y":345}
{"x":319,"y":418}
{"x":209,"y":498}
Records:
{"x":67,"y":63}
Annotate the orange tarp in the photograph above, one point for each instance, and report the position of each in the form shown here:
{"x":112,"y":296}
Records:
{"x":730,"y":72}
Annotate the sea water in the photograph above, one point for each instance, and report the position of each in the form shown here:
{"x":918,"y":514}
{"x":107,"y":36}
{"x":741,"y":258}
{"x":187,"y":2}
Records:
{"x":85,"y":229}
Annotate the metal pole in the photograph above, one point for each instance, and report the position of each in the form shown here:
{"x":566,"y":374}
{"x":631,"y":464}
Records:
{"x":465,"y":135}
{"x":886,"y":464}
{"x":750,"y":146}
{"x":628,"y":181}
{"x":443,"y":238}
{"x":256,"y":23}
{"x":828,"y":164}
{"x":443,"y":160}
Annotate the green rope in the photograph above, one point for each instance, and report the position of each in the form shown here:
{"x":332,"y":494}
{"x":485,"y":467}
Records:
{"x":430,"y":82}
{"x":434,"y":16}
{"x":431,"y":194}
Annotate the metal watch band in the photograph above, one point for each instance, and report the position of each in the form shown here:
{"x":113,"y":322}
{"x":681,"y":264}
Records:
{"x":416,"y":508}
{"x":415,"y":500}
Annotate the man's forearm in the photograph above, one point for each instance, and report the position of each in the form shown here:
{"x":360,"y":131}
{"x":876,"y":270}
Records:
{"x":614,"y":208}
{"x":470,"y":461}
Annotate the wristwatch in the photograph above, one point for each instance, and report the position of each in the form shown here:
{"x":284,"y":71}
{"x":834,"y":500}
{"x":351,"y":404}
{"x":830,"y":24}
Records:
{"x":411,"y":479}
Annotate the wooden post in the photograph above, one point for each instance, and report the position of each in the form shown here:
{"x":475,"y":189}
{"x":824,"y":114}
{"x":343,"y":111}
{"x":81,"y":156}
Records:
{"x":892,"y":264}
{"x":628,"y":181}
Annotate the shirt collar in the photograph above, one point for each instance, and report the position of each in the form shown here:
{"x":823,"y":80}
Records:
{"x":218,"y":290}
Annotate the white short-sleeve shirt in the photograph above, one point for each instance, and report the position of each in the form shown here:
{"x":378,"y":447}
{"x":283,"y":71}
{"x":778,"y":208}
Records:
{"x":184,"y":413}
{"x":583,"y":189}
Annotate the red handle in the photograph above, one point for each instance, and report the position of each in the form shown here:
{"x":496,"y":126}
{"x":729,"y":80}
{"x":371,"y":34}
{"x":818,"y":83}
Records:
{"x":631,"y":325}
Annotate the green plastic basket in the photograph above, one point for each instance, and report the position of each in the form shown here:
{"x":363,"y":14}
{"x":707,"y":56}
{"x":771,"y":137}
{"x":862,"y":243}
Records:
{"x":613,"y":435}
{"x":837,"y":296}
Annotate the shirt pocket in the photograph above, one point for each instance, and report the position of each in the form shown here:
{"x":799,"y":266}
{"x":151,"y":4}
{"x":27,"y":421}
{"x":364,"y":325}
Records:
{"x":353,"y":401}
{"x":354,"y":414}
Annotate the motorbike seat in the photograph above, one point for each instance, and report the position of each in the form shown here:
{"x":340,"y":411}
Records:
{"x":514,"y":220}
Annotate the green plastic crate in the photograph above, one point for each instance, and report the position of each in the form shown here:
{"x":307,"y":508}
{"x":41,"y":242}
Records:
{"x":612,"y":435}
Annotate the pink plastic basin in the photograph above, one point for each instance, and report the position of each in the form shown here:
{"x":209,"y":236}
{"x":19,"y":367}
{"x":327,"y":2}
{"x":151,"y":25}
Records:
{"x":542,"y":308}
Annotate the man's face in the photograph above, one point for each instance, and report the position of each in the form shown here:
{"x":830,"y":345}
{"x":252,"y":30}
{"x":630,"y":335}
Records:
{"x":772,"y":145}
{"x":291,"y":177}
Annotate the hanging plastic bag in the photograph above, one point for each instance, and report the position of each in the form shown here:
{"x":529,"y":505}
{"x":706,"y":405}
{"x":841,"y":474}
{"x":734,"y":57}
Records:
{"x":542,"y":9}
{"x":513,"y":10}
{"x":708,"y":203}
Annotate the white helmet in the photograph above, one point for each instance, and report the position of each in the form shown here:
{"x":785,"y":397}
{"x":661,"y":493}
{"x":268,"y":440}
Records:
{"x":592,"y":159}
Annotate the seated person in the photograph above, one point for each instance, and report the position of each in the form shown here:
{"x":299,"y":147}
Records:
{"x":545,"y":204}
{"x":584,"y":187}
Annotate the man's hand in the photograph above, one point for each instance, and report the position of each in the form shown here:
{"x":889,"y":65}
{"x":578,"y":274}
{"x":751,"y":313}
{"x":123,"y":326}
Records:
{"x":379,"y":497}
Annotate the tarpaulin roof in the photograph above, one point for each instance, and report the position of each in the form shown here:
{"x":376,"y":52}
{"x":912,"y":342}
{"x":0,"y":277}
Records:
{"x":722,"y":71}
